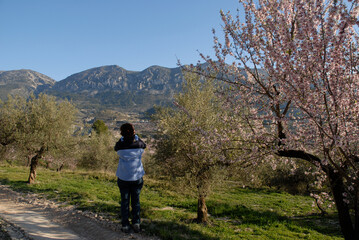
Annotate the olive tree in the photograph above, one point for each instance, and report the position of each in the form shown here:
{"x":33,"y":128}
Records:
{"x":97,"y":149}
{"x":38,"y":125}
{"x":190,"y":130}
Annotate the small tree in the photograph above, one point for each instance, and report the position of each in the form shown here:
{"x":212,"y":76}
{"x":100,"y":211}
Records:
{"x":100,"y":127}
{"x":295,"y":71}
{"x":189,"y":138}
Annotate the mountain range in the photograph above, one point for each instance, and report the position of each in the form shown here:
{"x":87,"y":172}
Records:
{"x":100,"y":87}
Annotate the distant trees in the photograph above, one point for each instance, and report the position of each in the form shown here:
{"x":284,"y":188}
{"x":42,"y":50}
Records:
{"x":191,"y":146}
{"x":97,"y":153}
{"x":97,"y":150}
{"x":293,"y":67}
{"x":100,"y":127}
{"x":37,"y":126}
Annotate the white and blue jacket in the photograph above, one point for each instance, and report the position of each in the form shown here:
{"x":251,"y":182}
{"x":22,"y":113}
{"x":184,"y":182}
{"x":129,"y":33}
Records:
{"x":130,"y":151}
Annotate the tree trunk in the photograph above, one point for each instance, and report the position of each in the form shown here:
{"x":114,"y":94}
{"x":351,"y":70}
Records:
{"x":33,"y":165}
{"x":337,"y":187}
{"x":202,"y":212}
{"x":349,"y":231}
{"x":356,"y":213}
{"x":60,"y":168}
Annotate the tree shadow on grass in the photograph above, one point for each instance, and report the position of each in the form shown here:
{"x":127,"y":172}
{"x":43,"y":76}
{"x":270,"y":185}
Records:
{"x":165,"y":229}
{"x":16,"y":185}
{"x":326,"y":225}
{"x":173,"y":230}
{"x":23,"y":186}
{"x":79,"y":199}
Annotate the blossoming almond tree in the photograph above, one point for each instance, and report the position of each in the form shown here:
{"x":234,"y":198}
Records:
{"x":294,"y":68}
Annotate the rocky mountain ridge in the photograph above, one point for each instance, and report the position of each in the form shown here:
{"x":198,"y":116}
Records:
{"x":23,"y":82}
{"x":154,"y":79}
{"x":100,"y":87}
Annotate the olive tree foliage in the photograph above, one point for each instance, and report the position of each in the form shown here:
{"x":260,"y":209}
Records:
{"x":188,"y":131}
{"x":38,"y":126}
{"x":10,"y":112}
{"x":97,"y":150}
{"x":293,"y":65}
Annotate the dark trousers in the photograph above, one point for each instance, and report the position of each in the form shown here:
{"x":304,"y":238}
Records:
{"x":130,"y":191}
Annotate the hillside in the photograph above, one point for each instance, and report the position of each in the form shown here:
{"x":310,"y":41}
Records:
{"x":22,"y":82}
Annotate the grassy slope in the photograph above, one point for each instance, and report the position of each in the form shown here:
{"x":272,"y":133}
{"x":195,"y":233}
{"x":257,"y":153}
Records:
{"x":236,"y":213}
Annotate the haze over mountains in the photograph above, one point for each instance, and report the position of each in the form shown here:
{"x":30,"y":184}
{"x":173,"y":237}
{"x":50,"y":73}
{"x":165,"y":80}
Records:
{"x":100,"y":87}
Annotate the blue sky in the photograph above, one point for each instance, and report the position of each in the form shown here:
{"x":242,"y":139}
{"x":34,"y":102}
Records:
{"x":62,"y":37}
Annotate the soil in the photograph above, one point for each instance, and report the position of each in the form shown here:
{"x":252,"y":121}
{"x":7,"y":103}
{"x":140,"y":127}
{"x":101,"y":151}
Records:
{"x":27,"y":216}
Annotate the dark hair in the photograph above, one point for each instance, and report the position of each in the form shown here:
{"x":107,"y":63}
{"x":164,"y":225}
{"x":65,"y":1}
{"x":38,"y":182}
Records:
{"x":127,"y":130}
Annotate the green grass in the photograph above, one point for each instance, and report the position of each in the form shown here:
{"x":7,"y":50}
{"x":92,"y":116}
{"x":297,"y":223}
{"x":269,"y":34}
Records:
{"x":235,"y":213}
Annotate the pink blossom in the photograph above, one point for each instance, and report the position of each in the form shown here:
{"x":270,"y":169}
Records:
{"x":295,"y":83}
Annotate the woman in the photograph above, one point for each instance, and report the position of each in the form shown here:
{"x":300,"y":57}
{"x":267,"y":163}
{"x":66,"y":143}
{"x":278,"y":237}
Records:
{"x":129,"y":175}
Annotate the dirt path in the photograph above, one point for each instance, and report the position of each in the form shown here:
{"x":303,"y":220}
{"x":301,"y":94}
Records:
{"x":26,"y":216}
